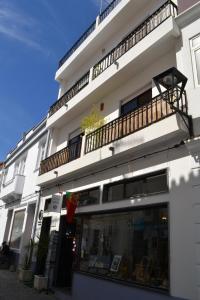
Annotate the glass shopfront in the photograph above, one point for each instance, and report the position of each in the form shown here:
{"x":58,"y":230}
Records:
{"x":129,"y":246}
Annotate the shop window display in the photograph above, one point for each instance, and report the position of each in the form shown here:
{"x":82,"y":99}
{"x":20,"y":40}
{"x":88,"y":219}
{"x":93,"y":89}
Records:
{"x":130,"y":246}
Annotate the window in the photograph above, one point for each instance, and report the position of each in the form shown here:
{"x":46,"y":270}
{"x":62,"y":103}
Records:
{"x":89,"y":197}
{"x":5,"y":174}
{"x":47,"y":204}
{"x":195,"y":48}
{"x":129,"y":246}
{"x":17,"y":227}
{"x":1,"y":177}
{"x":136,"y":102}
{"x":134,"y":188}
{"x":74,"y":144}
{"x":113,"y":192}
{"x":41,"y":154}
{"x":156,"y":184}
{"x":22,"y":166}
{"x":16,"y":171}
{"x":86,"y":197}
{"x":137,"y":186}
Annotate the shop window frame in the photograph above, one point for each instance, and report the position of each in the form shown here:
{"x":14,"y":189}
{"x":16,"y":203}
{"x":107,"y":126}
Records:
{"x":76,"y":264}
{"x":143,"y":178}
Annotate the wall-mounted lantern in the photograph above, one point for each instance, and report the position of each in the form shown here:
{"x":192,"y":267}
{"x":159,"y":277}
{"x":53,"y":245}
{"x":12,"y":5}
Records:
{"x":171,"y":84}
{"x":171,"y":79}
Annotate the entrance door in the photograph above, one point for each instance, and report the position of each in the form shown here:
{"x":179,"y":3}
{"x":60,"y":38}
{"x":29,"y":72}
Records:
{"x":43,"y":246}
{"x":65,"y":254}
{"x":74,"y":145}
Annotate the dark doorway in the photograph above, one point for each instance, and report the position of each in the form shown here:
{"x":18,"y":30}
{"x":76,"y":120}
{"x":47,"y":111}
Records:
{"x":64,"y":263}
{"x":43,"y":246}
{"x":74,"y":145}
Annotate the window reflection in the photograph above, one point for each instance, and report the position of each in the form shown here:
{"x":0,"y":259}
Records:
{"x":131,"y":246}
{"x":16,"y":233}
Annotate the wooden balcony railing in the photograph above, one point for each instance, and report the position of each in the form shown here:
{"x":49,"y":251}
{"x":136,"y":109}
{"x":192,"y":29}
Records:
{"x":165,"y":11}
{"x":144,"y":116}
{"x":60,"y":158}
{"x":75,"y":89}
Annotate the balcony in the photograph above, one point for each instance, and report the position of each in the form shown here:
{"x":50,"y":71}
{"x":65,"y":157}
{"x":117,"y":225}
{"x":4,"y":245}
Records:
{"x":152,"y":126}
{"x":130,"y":123}
{"x":74,"y":90}
{"x":157,"y":18}
{"x":87,"y":33}
{"x":143,"y":45}
{"x":60,"y":158}
{"x":13,"y":189}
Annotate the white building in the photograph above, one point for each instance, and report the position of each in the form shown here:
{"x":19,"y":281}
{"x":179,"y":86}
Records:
{"x":2,"y":211}
{"x":19,"y":194}
{"x":137,"y":176}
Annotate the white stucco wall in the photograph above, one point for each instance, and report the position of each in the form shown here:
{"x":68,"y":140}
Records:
{"x":190,"y":27}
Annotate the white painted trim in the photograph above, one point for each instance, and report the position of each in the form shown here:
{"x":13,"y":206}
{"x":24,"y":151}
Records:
{"x":194,"y":62}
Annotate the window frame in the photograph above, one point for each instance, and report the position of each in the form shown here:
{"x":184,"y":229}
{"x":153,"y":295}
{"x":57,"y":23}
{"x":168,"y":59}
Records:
{"x":12,"y":227}
{"x":80,"y":219}
{"x":133,"y":98}
{"x":22,"y":165}
{"x":88,"y":191}
{"x":82,"y":191}
{"x":41,"y":154}
{"x":194,"y":49}
{"x":143,"y":178}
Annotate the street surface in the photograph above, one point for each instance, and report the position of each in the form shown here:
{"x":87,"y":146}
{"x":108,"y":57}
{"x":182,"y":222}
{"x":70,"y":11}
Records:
{"x":12,"y":289}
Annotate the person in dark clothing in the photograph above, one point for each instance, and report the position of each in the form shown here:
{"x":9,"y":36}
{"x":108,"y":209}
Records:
{"x":5,"y":249}
{"x":4,"y":253}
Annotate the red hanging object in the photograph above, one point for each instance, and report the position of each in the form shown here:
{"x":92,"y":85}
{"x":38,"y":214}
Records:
{"x":71,"y":205}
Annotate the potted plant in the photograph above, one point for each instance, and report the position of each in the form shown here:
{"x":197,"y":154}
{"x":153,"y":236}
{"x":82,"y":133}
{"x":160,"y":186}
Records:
{"x":92,"y":121}
{"x":41,"y":281}
{"x":25,"y":272}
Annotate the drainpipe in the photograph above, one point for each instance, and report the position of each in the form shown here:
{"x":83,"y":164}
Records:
{"x":47,"y":144}
{"x":36,"y":214}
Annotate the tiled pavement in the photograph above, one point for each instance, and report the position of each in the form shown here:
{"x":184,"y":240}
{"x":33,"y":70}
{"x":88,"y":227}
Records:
{"x":12,"y":289}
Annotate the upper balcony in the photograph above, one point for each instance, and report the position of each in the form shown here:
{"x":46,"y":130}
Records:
{"x":13,"y":189}
{"x":152,"y":38}
{"x":89,"y":31}
{"x":151,"y":126}
{"x":97,"y":33}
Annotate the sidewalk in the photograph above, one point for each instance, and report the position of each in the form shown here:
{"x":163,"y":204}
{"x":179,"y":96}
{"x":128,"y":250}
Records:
{"x":12,"y":289}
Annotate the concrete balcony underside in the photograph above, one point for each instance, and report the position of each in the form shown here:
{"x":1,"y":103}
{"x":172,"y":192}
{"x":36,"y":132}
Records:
{"x":13,"y":189}
{"x":160,"y":135}
{"x":155,"y":44}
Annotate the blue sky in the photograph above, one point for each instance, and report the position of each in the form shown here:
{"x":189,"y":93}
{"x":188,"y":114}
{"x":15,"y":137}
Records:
{"x":34,"y":35}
